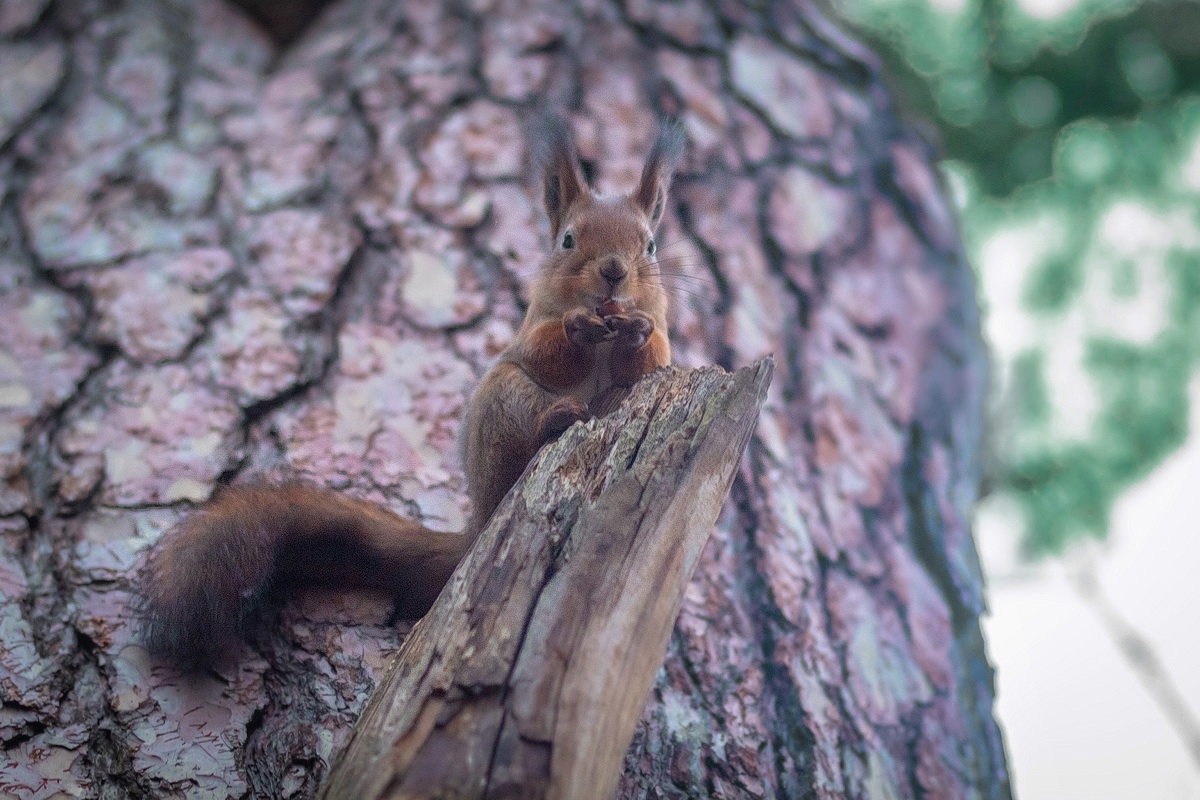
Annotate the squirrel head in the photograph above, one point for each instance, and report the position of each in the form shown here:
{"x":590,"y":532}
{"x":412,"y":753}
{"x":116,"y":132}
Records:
{"x":603,"y":247}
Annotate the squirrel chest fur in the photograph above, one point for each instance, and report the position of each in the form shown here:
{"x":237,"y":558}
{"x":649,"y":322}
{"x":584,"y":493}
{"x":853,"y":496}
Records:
{"x":595,"y":324}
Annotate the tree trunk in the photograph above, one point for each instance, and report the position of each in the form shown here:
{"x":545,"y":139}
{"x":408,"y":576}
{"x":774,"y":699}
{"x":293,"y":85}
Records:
{"x":220,"y":261}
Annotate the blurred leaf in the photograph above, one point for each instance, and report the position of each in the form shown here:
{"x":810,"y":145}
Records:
{"x":1076,"y":124}
{"x":1052,"y":285}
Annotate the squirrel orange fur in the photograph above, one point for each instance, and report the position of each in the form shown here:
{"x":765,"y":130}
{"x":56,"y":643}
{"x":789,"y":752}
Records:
{"x":596,"y":323}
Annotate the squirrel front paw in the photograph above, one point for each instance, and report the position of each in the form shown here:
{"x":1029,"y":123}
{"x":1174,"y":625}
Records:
{"x":585,"y":329}
{"x":630,"y":331}
{"x":560,"y":415}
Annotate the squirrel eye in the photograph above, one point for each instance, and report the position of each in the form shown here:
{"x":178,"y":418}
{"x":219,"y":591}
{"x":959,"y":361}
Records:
{"x":651,"y":248}
{"x":568,"y":242}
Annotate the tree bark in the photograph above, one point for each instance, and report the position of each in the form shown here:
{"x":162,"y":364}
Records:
{"x":528,"y":675}
{"x":221,"y":260}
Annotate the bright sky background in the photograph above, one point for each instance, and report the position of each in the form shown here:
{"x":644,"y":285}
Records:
{"x":1079,"y":725}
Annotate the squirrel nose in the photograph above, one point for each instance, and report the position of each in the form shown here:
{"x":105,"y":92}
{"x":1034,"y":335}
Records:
{"x":613,"y":272}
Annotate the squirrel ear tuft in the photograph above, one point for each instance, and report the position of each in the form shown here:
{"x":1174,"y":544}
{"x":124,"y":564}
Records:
{"x":556,"y":159}
{"x":651,"y":193}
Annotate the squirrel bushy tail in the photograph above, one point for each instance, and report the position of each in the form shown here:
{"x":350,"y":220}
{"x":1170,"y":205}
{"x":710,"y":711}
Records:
{"x":206,"y":580}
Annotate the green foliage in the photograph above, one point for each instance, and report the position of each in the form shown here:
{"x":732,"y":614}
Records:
{"x":1072,"y":129}
{"x":1143,"y":408}
{"x":1052,"y":285}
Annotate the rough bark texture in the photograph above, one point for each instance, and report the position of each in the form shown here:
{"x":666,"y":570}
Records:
{"x":220,"y":260}
{"x":528,"y":675}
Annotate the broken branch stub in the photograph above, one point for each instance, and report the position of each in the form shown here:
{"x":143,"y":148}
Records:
{"x":527,"y":676}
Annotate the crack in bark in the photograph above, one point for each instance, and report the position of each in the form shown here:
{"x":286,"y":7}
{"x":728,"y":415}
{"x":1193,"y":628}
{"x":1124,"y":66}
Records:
{"x":384,"y":104}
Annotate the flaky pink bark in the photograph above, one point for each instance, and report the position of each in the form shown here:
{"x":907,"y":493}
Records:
{"x":221,"y":261}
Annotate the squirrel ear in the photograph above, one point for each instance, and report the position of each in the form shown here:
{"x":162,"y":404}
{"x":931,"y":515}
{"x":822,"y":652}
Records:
{"x":562,"y":178}
{"x":651,"y":193}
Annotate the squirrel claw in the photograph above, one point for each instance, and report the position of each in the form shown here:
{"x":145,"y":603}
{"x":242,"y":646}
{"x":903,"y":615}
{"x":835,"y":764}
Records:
{"x":560,"y":415}
{"x":584,"y":328}
{"x":631,"y":330}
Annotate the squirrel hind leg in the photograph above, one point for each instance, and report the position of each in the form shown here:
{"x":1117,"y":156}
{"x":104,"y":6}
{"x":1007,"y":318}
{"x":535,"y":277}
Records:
{"x":502,"y":435}
{"x":558,"y":416}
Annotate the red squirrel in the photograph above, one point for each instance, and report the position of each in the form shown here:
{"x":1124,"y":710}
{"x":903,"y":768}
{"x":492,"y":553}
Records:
{"x":596,"y":323}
